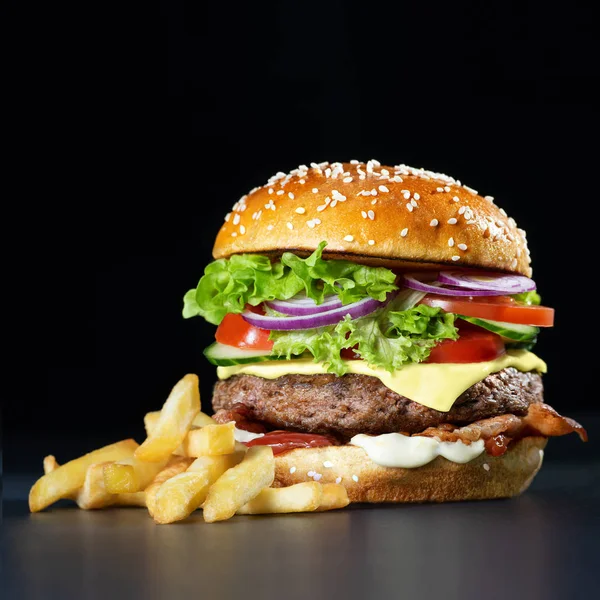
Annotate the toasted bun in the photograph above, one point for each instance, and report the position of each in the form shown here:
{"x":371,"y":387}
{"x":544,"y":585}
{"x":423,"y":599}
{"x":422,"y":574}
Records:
{"x":390,"y":216}
{"x":439,"y":481}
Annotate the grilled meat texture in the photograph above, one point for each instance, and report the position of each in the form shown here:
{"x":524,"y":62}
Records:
{"x":351,"y":404}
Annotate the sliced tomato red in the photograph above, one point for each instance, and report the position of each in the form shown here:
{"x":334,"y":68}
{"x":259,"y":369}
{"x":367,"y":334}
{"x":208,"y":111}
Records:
{"x":235,"y":331}
{"x":473,"y":345}
{"x":494,"y":308}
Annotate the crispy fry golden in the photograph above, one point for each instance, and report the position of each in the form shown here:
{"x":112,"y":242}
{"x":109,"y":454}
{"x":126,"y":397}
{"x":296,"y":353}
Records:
{"x":300,"y":497}
{"x":176,"y":417}
{"x":182,"y":494}
{"x":334,"y":496}
{"x":151,"y":419}
{"x":240,"y":484}
{"x":130,"y":475}
{"x":176,"y":465}
{"x":210,"y":440}
{"x":65,"y":481}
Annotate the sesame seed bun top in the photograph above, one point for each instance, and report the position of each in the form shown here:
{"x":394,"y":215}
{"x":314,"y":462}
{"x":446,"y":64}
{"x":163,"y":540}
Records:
{"x":398,"y":217}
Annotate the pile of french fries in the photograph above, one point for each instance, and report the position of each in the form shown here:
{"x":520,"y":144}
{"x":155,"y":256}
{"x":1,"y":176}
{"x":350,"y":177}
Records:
{"x":187,"y":462}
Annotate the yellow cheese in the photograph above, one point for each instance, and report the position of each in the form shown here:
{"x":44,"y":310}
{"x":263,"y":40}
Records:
{"x":434,"y":385}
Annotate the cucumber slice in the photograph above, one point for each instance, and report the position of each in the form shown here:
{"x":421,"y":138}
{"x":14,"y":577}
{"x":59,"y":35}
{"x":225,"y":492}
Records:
{"x":510,"y":331}
{"x":226,"y":356}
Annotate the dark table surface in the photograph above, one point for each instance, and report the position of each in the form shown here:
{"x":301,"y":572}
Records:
{"x":544,"y":544}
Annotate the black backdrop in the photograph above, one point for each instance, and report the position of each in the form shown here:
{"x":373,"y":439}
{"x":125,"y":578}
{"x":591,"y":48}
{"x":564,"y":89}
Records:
{"x":152,"y":127}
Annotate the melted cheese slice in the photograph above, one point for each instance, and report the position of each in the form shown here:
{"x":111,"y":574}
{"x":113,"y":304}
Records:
{"x":433,"y":385}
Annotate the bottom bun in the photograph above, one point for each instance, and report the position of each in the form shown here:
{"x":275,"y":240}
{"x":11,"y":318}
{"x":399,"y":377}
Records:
{"x":439,"y":481}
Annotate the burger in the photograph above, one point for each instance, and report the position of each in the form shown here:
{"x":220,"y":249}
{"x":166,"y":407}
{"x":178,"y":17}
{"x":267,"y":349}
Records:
{"x":375,"y":327}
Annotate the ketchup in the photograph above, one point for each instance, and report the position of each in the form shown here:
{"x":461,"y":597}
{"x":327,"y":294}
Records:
{"x":497,"y":445}
{"x":282,"y":441}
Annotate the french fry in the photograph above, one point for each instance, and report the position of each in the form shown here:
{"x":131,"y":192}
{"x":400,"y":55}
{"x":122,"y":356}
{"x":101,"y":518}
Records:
{"x":64,"y":481}
{"x":175,"y":419}
{"x":240,"y":484}
{"x":334,"y":496}
{"x":210,"y":440}
{"x":301,"y":497}
{"x":130,"y":475}
{"x":133,"y":499}
{"x":151,"y":419}
{"x":176,"y":465}
{"x":180,"y":496}
{"x":93,"y":494}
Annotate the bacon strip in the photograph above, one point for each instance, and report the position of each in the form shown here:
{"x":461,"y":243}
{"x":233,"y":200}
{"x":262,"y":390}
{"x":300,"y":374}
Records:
{"x":541,"y":419}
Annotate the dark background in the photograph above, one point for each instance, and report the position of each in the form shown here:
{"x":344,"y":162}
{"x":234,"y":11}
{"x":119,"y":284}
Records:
{"x":147,"y":128}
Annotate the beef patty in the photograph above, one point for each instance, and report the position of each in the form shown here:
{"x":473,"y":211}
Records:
{"x":351,"y":404}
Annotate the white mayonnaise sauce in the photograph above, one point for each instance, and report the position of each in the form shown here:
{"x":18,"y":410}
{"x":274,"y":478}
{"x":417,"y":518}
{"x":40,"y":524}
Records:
{"x":397,"y":450}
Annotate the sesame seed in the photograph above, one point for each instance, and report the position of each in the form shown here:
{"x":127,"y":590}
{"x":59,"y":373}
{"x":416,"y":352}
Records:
{"x":327,"y":172}
{"x":353,"y":162}
{"x":456,"y":198}
{"x":414,"y":203}
{"x":440,"y":189}
{"x":503,"y":212}
{"x":397,"y":179}
{"x":292,"y":470}
{"x":455,"y":258}
{"x":269,"y":227}
{"x":227,"y":216}
{"x":489,"y":198}
{"x":355,"y":478}
{"x":416,"y":196}
{"x":328,"y":464}
{"x":452,"y":221}
{"x":374,"y":201}
{"x":347,"y":179}
{"x":233,"y":234}
{"x":451,"y":242}
{"x":236,"y":219}
{"x":311,"y":224}
{"x":317,"y":221}
{"x":404,"y":232}
{"x":513,"y":264}
{"x":371,"y":242}
{"x":300,"y":210}
{"x":486,"y":466}
{"x":310,"y":473}
{"x":462,"y":247}
{"x":470,"y":190}
{"x":434,"y":222}
{"x":337,"y":196}
{"x":291,"y":196}
{"x":242,"y":229}
{"x":338,"y":480}
{"x":280,"y":192}
{"x":334,"y":202}
{"x":410,"y":207}
{"x":461,"y":210}
{"x":384,"y":189}
{"x":406,"y":194}
{"x":364,"y":214}
{"x":289,"y":225}
{"x":446,"y":188}
{"x":348,"y":238}
{"x":317,"y":476}
{"x":373,"y":192}
{"x":315,"y":190}
{"x":301,"y":181}
{"x":385,"y":173}
{"x":321,"y":207}
{"x":371,"y":215}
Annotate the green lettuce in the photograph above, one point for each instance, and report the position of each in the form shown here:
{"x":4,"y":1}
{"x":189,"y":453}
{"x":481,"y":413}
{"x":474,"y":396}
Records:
{"x":387,"y":338}
{"x":528,"y":298}
{"x":229,"y":284}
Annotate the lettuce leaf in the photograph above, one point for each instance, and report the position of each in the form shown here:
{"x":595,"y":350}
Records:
{"x":229,"y":284}
{"x":528,"y":298}
{"x":387,"y":338}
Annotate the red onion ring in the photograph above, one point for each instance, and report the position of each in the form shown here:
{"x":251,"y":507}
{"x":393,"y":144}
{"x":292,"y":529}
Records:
{"x":305,"y":306}
{"x":414,"y":284}
{"x":329,"y":317}
{"x":482,"y":280}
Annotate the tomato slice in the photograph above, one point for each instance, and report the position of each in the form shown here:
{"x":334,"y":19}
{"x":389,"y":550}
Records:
{"x":282,"y":441}
{"x":235,"y":331}
{"x":473,"y":345}
{"x":494,"y":308}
